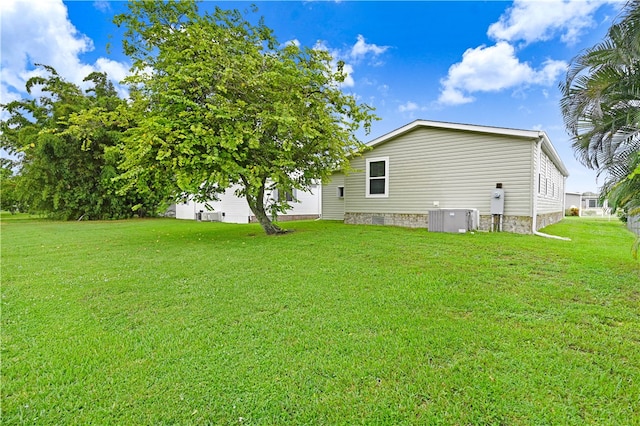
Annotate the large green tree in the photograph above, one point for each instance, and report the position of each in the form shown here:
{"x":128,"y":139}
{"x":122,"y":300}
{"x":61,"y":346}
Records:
{"x":601,"y":109}
{"x":223,"y":104}
{"x":68,"y":150}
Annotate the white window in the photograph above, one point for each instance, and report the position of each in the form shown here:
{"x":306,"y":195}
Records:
{"x":377,"y":177}
{"x":340,"y":192}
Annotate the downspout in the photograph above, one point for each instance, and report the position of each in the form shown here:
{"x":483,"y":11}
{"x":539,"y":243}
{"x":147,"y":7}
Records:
{"x":564,"y":195}
{"x":536,"y":191}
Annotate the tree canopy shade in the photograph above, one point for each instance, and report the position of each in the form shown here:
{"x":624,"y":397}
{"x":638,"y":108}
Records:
{"x":223,"y":104}
{"x":601,"y":109}
{"x":67,"y":148}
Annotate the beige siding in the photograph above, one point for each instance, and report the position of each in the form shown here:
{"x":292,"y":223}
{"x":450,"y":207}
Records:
{"x":332,"y":205}
{"x":457,"y":169}
{"x":550,"y":191}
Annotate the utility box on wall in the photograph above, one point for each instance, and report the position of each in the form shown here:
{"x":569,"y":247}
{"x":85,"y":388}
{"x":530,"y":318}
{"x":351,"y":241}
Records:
{"x":453,"y":220}
{"x":497,"y":201}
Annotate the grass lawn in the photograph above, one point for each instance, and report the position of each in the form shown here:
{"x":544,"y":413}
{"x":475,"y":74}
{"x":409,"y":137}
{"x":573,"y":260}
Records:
{"x":179,"y":322}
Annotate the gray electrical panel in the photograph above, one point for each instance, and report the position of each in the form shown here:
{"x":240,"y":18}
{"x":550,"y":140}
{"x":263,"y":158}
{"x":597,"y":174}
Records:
{"x":497,"y":201}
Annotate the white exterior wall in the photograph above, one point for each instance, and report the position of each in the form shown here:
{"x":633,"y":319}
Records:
{"x":455,"y":168}
{"x":236,"y":209}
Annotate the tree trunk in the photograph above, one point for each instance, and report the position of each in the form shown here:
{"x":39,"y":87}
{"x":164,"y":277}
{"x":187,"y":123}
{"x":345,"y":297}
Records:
{"x":256,"y":204}
{"x":269,"y":227}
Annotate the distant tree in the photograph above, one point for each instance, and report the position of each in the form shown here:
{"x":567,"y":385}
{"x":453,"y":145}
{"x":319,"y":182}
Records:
{"x":601,"y":109}
{"x":9,"y":197}
{"x":222,"y":103}
{"x":66,"y":162}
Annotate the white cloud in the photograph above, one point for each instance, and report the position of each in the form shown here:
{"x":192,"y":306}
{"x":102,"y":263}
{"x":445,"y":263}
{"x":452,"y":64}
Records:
{"x":348,"y":81}
{"x":294,"y":42}
{"x":353,"y":56}
{"x":362,"y":49}
{"x":491,"y":69}
{"x":347,"y":69}
{"x":495,"y":68}
{"x":102,"y":5}
{"x":40,"y":32}
{"x":408,"y":107}
{"x":532,"y":21}
{"x":452,"y":96}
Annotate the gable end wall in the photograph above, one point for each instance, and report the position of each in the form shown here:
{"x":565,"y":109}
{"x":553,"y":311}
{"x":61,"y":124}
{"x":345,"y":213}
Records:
{"x":456,"y":169}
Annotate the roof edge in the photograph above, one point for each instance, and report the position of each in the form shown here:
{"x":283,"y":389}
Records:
{"x":530,"y":134}
{"x":551,"y":151}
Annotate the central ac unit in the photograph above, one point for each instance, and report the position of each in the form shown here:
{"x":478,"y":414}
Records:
{"x":212,"y":216}
{"x":453,"y":220}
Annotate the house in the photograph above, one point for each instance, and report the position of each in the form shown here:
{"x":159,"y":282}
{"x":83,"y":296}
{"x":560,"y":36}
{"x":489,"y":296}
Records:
{"x":572,"y":200}
{"x":429,"y":167}
{"x":593,"y":206}
{"x":233,"y":209}
{"x":587,"y":203}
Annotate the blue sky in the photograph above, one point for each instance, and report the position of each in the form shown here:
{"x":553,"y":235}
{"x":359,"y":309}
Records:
{"x":490,"y":63}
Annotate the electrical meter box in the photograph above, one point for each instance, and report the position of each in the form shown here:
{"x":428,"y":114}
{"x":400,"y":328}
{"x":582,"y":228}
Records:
{"x":497,"y":201}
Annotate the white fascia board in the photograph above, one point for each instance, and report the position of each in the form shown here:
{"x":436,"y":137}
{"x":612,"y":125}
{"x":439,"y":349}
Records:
{"x":528,"y":134}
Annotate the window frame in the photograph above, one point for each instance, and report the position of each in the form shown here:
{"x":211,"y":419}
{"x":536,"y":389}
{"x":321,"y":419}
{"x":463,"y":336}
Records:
{"x":290,"y":197}
{"x":368,"y":177}
{"x":340,"y":191}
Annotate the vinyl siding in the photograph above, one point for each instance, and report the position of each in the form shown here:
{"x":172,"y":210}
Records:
{"x":457,"y":169}
{"x":551,"y":187}
{"x":332,"y":205}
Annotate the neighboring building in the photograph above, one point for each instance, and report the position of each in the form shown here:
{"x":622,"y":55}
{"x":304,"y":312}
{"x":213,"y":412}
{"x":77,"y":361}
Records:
{"x":232,"y":209}
{"x":592,"y":206}
{"x":572,"y":200}
{"x":430,"y":166}
{"x":588,"y":204}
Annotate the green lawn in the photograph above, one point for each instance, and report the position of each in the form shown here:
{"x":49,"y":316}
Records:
{"x":179,"y":322}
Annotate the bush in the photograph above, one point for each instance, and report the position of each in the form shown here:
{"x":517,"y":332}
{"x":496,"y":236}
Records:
{"x":573,"y":211}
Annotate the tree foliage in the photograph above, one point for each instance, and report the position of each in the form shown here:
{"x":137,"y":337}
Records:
{"x":68,"y":149}
{"x":601,"y":109}
{"x":9,"y":199}
{"x":221,"y":103}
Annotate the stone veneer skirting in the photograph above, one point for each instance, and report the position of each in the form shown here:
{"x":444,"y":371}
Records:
{"x":407,"y":220}
{"x":515,"y":224}
{"x":549,"y":219}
